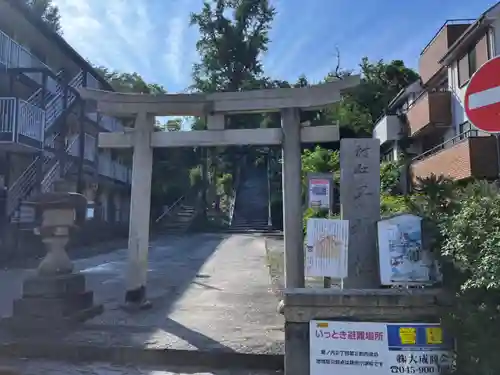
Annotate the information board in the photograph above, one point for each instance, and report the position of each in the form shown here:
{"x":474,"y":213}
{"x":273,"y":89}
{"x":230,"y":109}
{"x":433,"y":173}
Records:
{"x":403,"y":259}
{"x":320,"y":190}
{"x":356,"y":348}
{"x":326,"y":248}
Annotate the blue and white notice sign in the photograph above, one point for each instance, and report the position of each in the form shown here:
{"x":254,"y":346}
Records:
{"x":355,"y":348}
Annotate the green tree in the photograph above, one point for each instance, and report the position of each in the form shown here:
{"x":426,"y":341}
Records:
{"x":129,"y":82}
{"x":364,"y":104}
{"x":233,"y":35}
{"x":47,"y":11}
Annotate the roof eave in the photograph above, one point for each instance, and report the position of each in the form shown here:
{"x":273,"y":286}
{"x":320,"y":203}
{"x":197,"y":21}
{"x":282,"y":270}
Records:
{"x":471,"y":34}
{"x":59,"y":40}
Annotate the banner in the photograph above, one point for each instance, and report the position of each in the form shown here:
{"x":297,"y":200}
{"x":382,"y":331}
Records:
{"x":356,"y":348}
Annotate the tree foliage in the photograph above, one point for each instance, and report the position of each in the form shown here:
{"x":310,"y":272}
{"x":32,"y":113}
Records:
{"x":129,"y":82}
{"x":364,"y":104}
{"x":47,"y":11}
{"x":233,"y":35}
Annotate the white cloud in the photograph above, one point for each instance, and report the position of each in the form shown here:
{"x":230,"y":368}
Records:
{"x":132,"y":36}
{"x":174,"y":42}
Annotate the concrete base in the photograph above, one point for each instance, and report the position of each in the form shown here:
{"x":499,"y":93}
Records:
{"x":53,"y":301}
{"x":375,"y":305}
{"x":135,"y":300}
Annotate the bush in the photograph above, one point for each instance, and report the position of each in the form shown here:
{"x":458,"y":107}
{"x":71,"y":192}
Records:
{"x":195,"y":177}
{"x":225,"y":184}
{"x":390,"y":175}
{"x":315,"y":213}
{"x":471,"y":247}
{"x":464,"y":224}
{"x":393,"y":204}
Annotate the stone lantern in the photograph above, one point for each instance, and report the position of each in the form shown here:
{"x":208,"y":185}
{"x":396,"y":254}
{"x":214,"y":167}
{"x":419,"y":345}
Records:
{"x":55,"y":292}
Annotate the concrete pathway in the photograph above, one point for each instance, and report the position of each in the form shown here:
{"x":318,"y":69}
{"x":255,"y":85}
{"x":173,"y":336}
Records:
{"x":37,"y":367}
{"x":211,"y":292}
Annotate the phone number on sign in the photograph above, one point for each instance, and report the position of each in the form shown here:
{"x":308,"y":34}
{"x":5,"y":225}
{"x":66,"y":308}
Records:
{"x":415,"y":370}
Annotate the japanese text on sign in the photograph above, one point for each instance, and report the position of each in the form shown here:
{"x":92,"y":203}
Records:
{"x":350,"y":335}
{"x":357,"y":348}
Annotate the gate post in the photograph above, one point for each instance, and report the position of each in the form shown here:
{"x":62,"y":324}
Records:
{"x":292,"y":199}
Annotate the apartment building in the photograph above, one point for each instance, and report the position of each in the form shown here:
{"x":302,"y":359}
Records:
{"x":443,"y":142}
{"x":48,"y":135}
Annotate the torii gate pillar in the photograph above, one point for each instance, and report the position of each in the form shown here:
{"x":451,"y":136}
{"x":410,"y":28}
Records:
{"x":292,"y":198}
{"x":140,"y":206}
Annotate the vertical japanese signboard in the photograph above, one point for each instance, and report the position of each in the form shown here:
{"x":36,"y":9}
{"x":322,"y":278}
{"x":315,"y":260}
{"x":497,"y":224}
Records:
{"x":356,"y":348}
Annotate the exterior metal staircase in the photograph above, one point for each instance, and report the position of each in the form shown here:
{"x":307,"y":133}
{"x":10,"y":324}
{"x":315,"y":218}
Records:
{"x":25,"y":185}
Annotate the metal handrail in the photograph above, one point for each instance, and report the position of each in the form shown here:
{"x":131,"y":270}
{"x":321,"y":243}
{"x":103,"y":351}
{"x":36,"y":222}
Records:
{"x":452,"y":141}
{"x":458,"y":21}
{"x":235,"y":190}
{"x":169,"y":209}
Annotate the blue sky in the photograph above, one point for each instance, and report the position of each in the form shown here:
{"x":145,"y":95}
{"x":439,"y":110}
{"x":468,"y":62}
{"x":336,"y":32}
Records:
{"x":153,"y":37}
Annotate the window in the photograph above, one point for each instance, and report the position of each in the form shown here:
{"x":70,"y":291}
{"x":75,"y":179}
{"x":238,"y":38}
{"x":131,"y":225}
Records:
{"x":472,"y":61}
{"x":468,"y":64}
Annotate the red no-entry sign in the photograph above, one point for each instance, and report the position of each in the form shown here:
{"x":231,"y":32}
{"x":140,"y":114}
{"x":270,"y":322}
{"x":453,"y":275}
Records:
{"x":482,"y":97}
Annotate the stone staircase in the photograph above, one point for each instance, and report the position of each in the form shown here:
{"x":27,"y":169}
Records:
{"x":251,"y":205}
{"x":180,"y":220}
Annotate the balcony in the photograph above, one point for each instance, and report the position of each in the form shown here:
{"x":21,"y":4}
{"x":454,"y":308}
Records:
{"x":429,"y":110}
{"x":464,"y":156}
{"x":21,"y":125}
{"x":388,"y":128}
{"x":113,"y":169}
{"x":89,"y":146}
{"x":109,"y":123}
{"x":428,"y":64}
{"x":14,"y":55}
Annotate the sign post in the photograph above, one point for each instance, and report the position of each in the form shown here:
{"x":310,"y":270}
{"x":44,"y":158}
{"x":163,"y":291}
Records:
{"x":482,"y":100}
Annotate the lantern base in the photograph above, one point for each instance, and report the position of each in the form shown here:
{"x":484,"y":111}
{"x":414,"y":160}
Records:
{"x":54,"y":301}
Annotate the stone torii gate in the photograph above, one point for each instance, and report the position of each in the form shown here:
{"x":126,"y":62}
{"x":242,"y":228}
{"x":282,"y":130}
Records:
{"x":142,"y":138}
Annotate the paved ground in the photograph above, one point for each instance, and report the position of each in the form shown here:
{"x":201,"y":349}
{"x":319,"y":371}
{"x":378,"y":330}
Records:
{"x":210,"y":292}
{"x":58,"y":368}
{"x":275,"y":248}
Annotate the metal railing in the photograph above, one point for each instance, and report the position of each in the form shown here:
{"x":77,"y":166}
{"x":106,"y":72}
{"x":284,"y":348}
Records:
{"x":17,"y":116}
{"x":104,"y":166}
{"x":170,"y":209}
{"x":36,"y":97}
{"x":110,"y":123}
{"x":92,"y":82}
{"x":113,"y":168}
{"x":21,"y":188}
{"x":446,"y":23}
{"x":8,"y":115}
{"x":30,"y":120}
{"x":55,"y":107}
{"x":14,"y":55}
{"x":89,"y":149}
{"x":53,"y":174}
{"x":233,"y":198}
{"x":447,"y":144}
